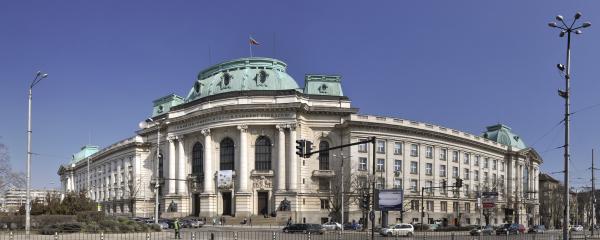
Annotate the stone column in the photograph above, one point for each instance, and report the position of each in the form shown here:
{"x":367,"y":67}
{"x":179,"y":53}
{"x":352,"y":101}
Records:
{"x":281,"y":159}
{"x":171,"y":175}
{"x":181,"y":184}
{"x":118,"y":178}
{"x":292,"y":160}
{"x":209,"y":185}
{"x":243,"y":169}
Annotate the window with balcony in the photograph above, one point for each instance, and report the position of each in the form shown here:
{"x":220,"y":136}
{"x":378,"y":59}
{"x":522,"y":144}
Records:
{"x":398,"y":148}
{"x":324,"y":184}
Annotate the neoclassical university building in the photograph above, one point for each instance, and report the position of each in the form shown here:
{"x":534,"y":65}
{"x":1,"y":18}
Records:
{"x":228,"y":148}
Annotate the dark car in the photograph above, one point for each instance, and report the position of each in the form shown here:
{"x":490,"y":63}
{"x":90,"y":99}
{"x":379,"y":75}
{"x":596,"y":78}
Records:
{"x":537,"y":229}
{"x":510,"y":229}
{"x":481,"y":230}
{"x":352,"y":226}
{"x":304,"y":228}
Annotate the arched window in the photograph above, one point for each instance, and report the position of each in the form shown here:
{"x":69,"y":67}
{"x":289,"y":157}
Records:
{"x":323,"y":156}
{"x":198,"y":160}
{"x":227,"y":154}
{"x":262,"y":153}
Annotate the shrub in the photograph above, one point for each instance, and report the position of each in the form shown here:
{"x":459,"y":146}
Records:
{"x":155,"y":227}
{"x":90,"y":216}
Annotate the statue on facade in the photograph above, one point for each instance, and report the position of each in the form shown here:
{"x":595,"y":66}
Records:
{"x":172,"y":206}
{"x":285,"y":205}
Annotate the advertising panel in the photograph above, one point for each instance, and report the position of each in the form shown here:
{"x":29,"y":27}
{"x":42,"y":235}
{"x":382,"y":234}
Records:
{"x":390,"y":200}
{"x":225,"y":179}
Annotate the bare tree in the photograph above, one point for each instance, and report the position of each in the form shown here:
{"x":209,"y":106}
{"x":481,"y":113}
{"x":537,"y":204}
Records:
{"x":131,"y":190}
{"x":8,"y":178}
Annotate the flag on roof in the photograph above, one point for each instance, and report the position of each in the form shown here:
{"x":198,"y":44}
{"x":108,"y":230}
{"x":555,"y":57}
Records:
{"x":253,"y":41}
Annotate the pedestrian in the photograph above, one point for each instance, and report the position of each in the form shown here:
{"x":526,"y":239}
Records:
{"x":214,"y":221}
{"x":222,"y":220}
{"x":177,"y":226}
{"x":250,"y":221}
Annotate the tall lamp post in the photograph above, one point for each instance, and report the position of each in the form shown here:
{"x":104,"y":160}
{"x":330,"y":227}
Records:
{"x":567,"y":29}
{"x":38,"y":77}
{"x":342,"y":157}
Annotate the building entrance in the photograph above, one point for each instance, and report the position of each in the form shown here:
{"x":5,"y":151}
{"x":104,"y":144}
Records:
{"x":263,"y":203}
{"x":226,"y":203}
{"x":196,"y":205}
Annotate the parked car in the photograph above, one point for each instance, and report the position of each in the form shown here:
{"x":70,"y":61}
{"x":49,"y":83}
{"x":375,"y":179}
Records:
{"x":332,"y":226}
{"x":510,"y":229}
{"x":304,"y":228}
{"x":482,"y":230}
{"x":191,"y":223}
{"x":163,"y":224}
{"x":537,"y":229}
{"x":577,"y":228}
{"x":352,"y":226}
{"x":401,"y":229}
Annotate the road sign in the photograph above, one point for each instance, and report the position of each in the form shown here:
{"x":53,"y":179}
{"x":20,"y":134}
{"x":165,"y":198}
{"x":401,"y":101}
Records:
{"x":372,"y":215}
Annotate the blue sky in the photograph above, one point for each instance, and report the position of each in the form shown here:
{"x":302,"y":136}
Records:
{"x":459,"y":64}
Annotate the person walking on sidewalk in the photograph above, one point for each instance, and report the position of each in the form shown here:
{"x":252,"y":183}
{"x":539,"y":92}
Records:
{"x":176,"y":225}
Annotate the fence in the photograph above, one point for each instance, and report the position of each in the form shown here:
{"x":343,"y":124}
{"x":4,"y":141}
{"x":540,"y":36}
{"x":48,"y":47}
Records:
{"x":278,"y":235}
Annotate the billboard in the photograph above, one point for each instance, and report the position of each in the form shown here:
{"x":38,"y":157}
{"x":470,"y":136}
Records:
{"x":225,"y":179}
{"x":488,"y":199}
{"x":389,"y":200}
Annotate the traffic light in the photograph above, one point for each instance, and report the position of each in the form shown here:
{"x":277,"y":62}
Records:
{"x":365,"y":200}
{"x":458,"y":183}
{"x":301,"y":146}
{"x":307,"y":148}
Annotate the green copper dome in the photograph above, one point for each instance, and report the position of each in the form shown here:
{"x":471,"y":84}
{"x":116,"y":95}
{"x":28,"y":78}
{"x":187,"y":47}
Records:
{"x":503,"y":134}
{"x":244,"y":74}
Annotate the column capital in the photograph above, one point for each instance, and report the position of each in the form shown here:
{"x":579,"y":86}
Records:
{"x":205,"y":132}
{"x":291,"y":126}
{"x":179,"y":137}
{"x":171,"y":138}
{"x":243,"y":127}
{"x":281,"y":127}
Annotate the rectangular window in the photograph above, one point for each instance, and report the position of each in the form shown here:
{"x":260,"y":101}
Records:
{"x":429,"y":186}
{"x":476,"y":175}
{"x":362,"y":164}
{"x":454,"y":172}
{"x":430,"y":206}
{"x":398,"y":148}
{"x":494,"y":163}
{"x":502,"y":166}
{"x":476,"y":163}
{"x":455,"y":206}
{"x":380,"y":165}
{"x":380,"y":183}
{"x":380,"y":146}
{"x":485,"y":177}
{"x":414,"y":167}
{"x":428,"y":169}
{"x":323,"y":184}
{"x":444,"y":206}
{"x":397,"y":165}
{"x":398,"y":183}
{"x":442,"y":170}
{"x":455,"y":156}
{"x":467,"y":208}
{"x":467,"y":189}
{"x":486,"y":163}
{"x":363,"y":146}
{"x":466,"y":173}
{"x":466,"y":158}
{"x":443,"y":154}
{"x":414,"y":150}
{"x":413,"y":185}
{"x":324,"y":203}
{"x":414,"y":205}
{"x":429,"y":152}
{"x":493,"y":179}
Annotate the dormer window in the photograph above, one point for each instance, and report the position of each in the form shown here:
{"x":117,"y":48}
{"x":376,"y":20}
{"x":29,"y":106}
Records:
{"x":262,"y":76}
{"x":160,"y":109}
{"x":197,"y":87}
{"x":323,"y":88}
{"x":226,"y":79}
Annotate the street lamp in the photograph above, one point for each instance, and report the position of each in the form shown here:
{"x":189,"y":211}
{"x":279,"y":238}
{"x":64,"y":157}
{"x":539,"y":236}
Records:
{"x":38,"y":77}
{"x":342,"y":157}
{"x":567,"y":29}
{"x":144,"y":124}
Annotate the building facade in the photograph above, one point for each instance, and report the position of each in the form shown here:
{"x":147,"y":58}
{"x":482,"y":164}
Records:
{"x":242,"y":118}
{"x":14,"y":198}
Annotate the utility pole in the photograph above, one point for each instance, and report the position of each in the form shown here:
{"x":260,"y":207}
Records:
{"x":593,"y":195}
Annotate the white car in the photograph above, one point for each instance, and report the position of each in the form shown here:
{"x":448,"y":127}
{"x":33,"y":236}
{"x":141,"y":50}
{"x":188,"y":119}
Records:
{"x":401,"y":229}
{"x":332,"y":226}
{"x":577,"y":228}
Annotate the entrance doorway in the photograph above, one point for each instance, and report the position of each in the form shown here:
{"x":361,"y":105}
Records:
{"x":226,"y":203}
{"x":196,"y":205}
{"x":263,"y":203}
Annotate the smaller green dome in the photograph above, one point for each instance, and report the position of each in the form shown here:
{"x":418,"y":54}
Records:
{"x":244,"y":74}
{"x":503,"y":134}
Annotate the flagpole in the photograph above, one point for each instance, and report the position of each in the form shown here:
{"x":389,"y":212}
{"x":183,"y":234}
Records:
{"x":249,"y":43}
